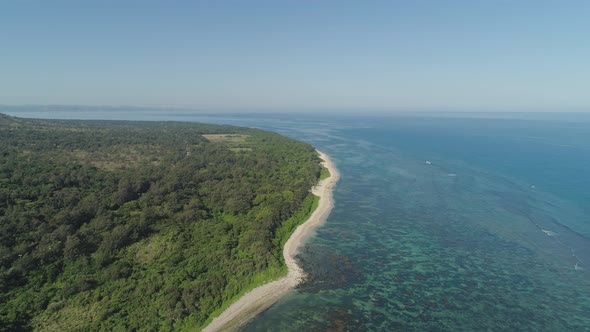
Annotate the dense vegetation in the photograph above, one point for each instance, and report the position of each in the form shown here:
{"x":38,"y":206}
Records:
{"x":114,"y":225}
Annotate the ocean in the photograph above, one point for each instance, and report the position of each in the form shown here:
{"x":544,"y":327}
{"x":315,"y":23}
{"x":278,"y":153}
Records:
{"x":442,"y":222}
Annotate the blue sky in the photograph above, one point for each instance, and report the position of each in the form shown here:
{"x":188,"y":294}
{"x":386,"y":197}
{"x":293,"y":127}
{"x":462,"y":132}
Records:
{"x":289,"y":55}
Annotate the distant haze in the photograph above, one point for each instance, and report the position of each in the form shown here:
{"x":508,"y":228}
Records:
{"x":298,"y":55}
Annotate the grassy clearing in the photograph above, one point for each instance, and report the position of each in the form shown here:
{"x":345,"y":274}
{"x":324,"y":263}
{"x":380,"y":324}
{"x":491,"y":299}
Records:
{"x":324,"y":173}
{"x":228,"y":138}
{"x":236,"y":143}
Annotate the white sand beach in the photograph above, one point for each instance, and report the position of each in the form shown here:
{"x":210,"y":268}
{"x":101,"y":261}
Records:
{"x":264,"y":296}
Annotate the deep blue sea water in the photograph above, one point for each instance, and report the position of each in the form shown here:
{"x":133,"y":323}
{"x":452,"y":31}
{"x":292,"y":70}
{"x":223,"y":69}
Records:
{"x":442,"y":222}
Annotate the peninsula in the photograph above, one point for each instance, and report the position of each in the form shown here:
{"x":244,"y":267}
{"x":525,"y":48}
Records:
{"x":126,"y":225}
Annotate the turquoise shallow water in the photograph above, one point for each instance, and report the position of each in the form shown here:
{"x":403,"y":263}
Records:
{"x":458,"y":244}
{"x":493,"y":233}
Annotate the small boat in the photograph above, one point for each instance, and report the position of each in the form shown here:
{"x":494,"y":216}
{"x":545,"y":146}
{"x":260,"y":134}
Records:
{"x":428,"y":162}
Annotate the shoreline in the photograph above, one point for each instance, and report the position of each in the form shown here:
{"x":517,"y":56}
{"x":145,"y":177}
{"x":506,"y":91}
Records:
{"x":262,"y":297}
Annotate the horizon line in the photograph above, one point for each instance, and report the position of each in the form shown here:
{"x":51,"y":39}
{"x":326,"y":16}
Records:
{"x":344,"y":109}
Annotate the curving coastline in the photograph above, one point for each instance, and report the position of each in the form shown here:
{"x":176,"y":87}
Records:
{"x":264,"y":296}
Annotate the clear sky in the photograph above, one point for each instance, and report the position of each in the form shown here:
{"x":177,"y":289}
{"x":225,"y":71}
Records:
{"x":249,"y":55}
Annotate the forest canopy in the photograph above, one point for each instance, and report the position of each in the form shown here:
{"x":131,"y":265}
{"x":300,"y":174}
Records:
{"x":120,"y":225}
